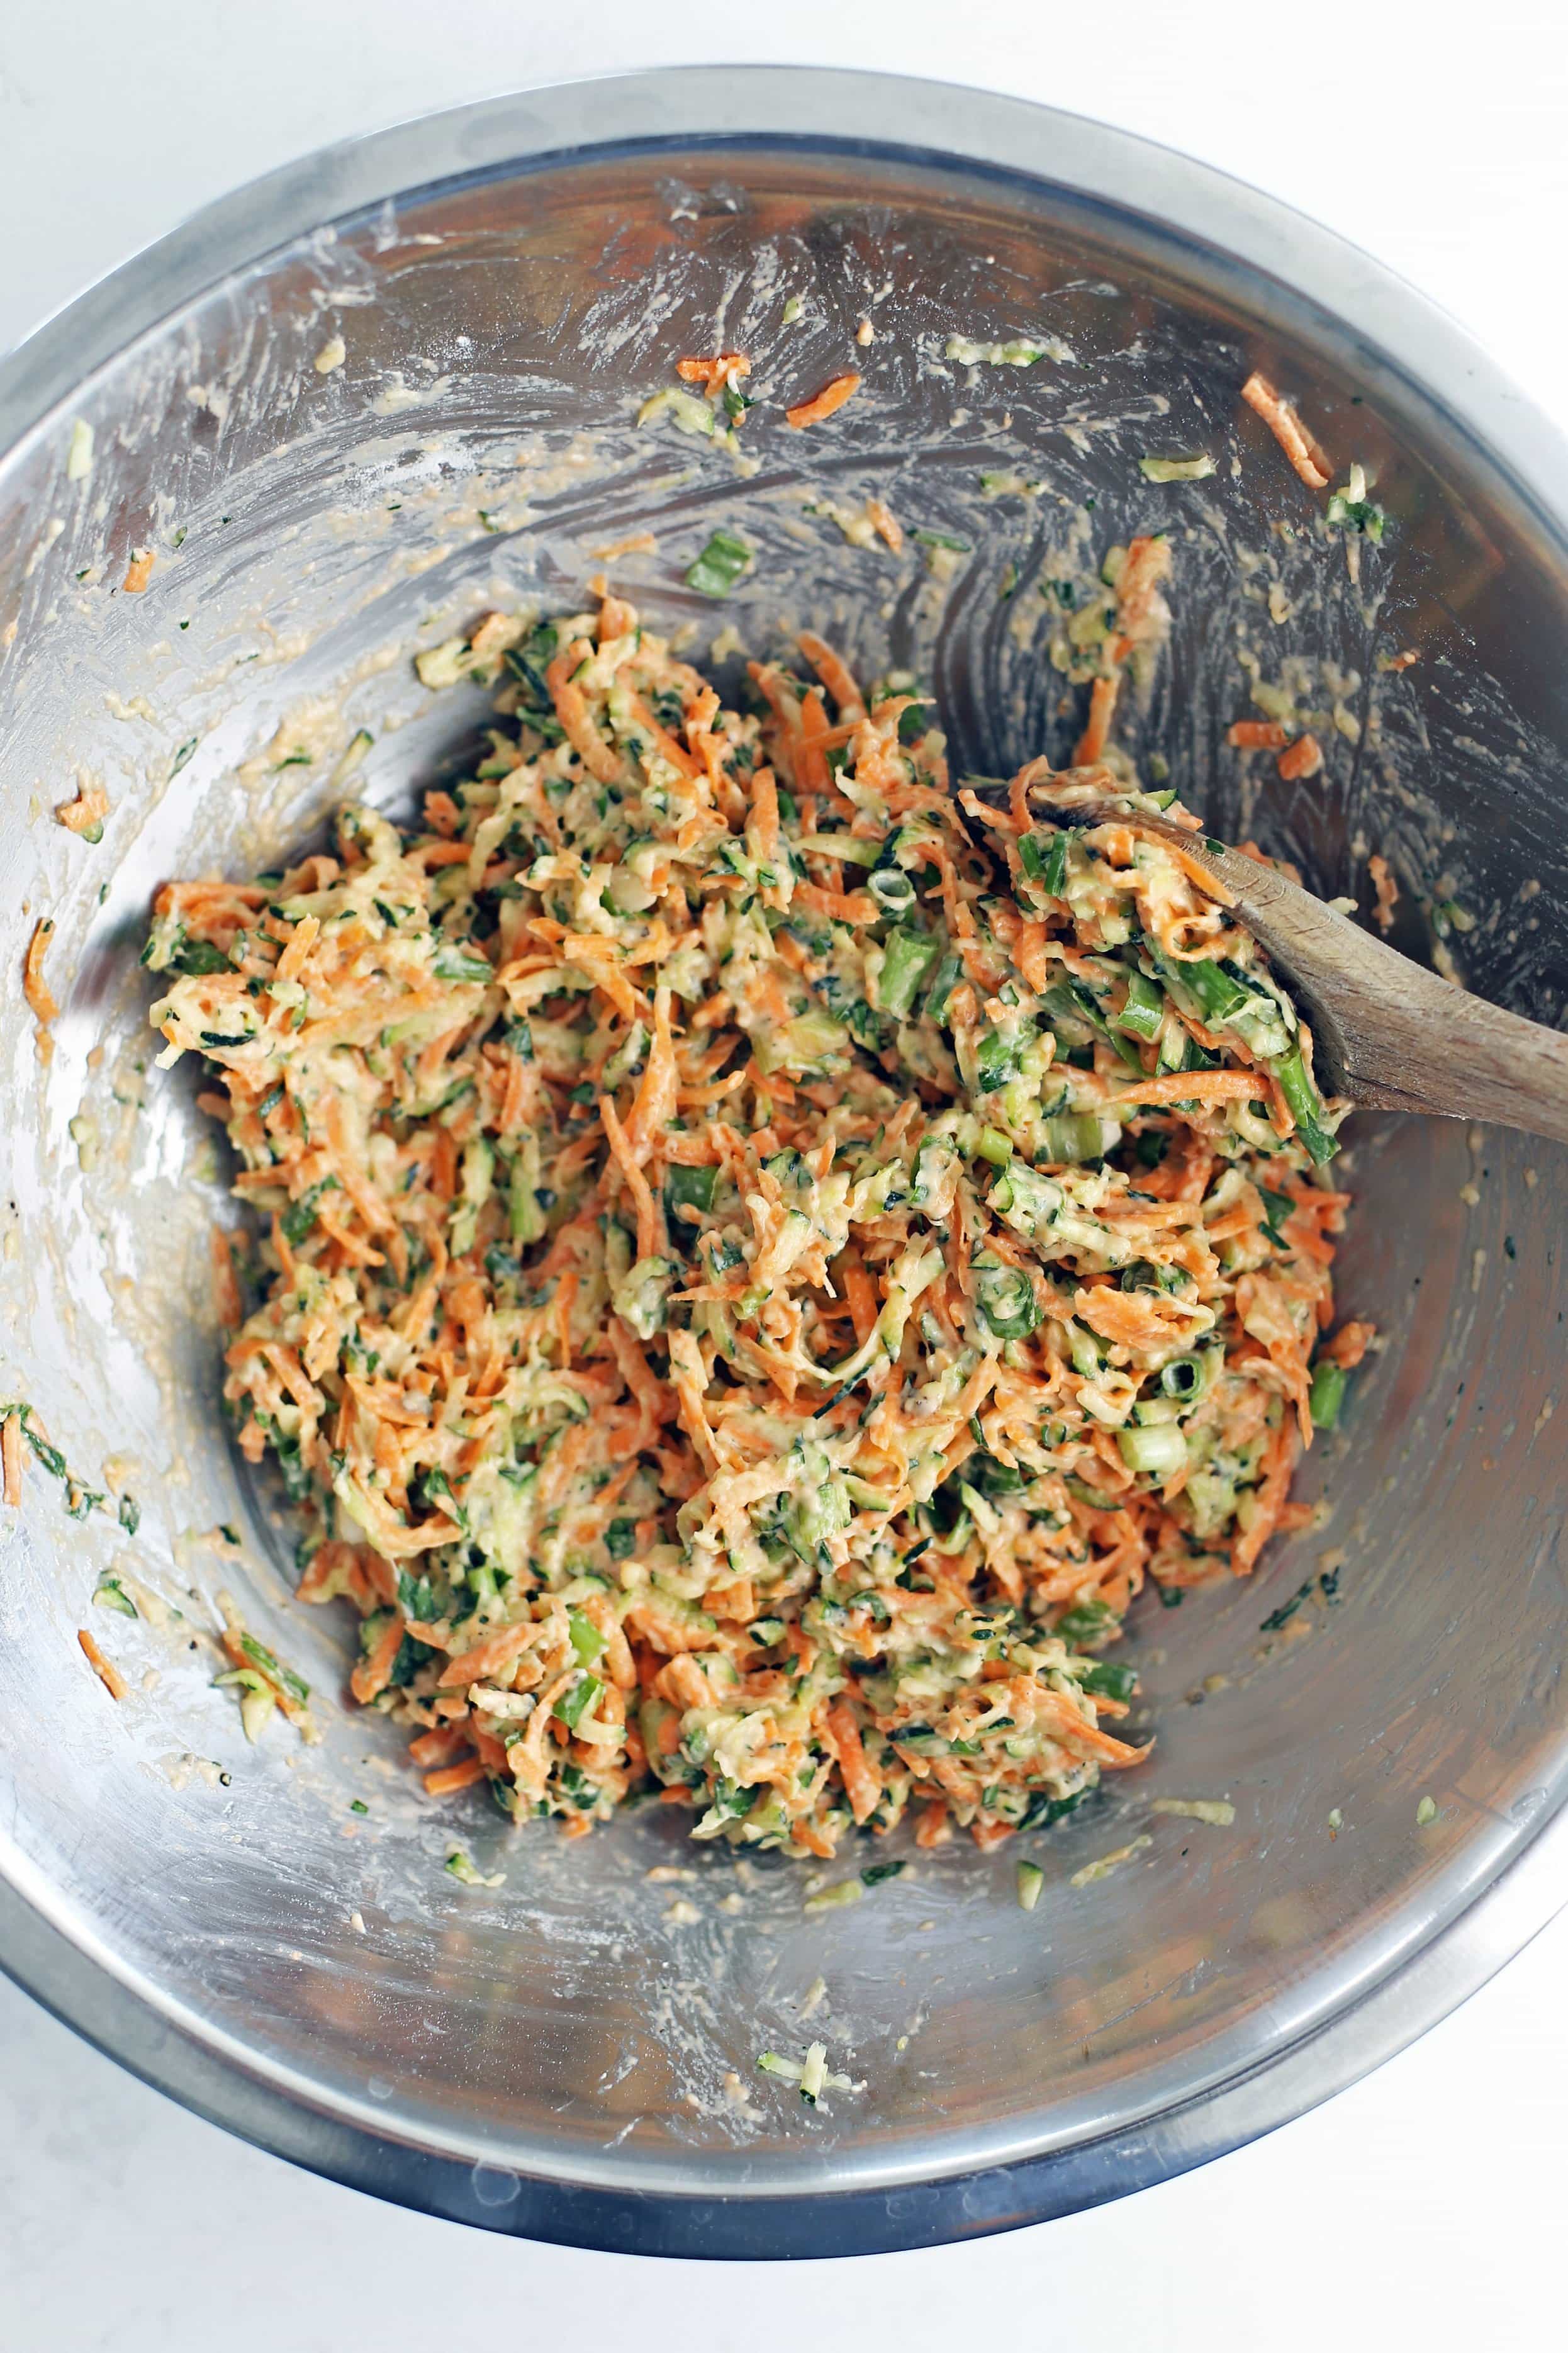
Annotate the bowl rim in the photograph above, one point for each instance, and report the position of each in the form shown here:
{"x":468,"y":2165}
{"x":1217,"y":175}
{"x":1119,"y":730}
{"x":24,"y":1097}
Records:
{"x":1399,"y":337}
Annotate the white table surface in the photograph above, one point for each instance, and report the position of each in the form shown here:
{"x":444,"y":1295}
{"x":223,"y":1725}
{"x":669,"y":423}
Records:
{"x":1423,"y":2204}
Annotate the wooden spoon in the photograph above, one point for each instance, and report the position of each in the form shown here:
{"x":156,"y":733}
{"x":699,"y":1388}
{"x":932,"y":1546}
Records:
{"x":1384,"y":1031}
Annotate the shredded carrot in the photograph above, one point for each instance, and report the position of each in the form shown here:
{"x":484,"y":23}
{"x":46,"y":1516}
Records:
{"x":636,"y":543}
{"x":885,"y":524}
{"x":108,"y":1674}
{"x":843,"y":906}
{"x":451,"y":1778}
{"x":862,"y":1787}
{"x":35,"y":987}
{"x":1256,"y":735}
{"x":834,"y":674}
{"x":227,"y":1300}
{"x":721,"y":371}
{"x":1304,"y":758}
{"x":373,"y":1674}
{"x":1386,"y":891}
{"x":1349,"y":1345}
{"x":11,"y":1457}
{"x":86,"y":813}
{"x":1097,"y":729}
{"x":1194,"y":1086}
{"x":573,"y":712}
{"x":824,"y":404}
{"x":1286,"y":427}
{"x":138,"y":571}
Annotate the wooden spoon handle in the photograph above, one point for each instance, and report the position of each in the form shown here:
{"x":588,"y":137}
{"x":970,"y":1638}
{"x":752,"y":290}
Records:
{"x":1434,"y":1048}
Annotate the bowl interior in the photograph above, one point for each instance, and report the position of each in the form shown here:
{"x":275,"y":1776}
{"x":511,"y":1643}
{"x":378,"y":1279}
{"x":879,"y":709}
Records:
{"x":312,"y":525}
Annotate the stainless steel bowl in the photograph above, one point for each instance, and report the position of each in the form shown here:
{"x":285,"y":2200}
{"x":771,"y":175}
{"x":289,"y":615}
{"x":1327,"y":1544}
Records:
{"x":549,"y":2055}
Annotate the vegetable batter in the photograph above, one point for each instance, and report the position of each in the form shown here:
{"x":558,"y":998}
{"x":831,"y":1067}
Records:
{"x":758,"y":1258}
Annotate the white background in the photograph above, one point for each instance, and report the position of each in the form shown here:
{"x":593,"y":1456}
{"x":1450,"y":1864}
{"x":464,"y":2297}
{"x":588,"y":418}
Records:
{"x":1424,"y":2205}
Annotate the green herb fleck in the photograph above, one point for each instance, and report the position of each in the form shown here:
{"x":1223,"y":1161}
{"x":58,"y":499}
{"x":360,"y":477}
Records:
{"x":719,"y":566}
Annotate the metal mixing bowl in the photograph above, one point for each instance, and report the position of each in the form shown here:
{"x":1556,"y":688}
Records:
{"x":548,"y":2055}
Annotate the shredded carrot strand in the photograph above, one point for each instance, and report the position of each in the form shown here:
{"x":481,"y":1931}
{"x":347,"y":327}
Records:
{"x":824,"y":404}
{"x":1286,"y":427}
{"x":108,"y":1674}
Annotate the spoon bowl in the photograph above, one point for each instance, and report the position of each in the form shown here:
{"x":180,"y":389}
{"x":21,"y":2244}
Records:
{"x":1386,"y":1032}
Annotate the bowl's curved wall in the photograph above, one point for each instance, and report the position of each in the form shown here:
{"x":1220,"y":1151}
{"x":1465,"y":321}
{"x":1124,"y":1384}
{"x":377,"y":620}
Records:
{"x":308,"y":523}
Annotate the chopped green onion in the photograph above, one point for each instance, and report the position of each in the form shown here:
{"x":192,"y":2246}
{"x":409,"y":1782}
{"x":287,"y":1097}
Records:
{"x":992,"y":1146}
{"x":53,"y":1460}
{"x":1043,"y":855}
{"x":719,"y":566}
{"x":1109,"y":1679}
{"x":690,"y":1189}
{"x":1071,"y":1137}
{"x":1352,"y":507}
{"x":1085,"y":1623}
{"x":199,"y":956}
{"x":1184,"y":1378}
{"x":1328,"y":1395}
{"x":586,"y":1641}
{"x":996,"y":1060}
{"x":907,"y":958}
{"x":1217,"y":992}
{"x":574,"y":1706}
{"x":1305,"y":1103}
{"x":1144,"y":1010}
{"x":452,"y":964}
{"x":285,"y":1678}
{"x":892,"y":888}
{"x":1277,"y":1207}
{"x":1160,"y":1448}
{"x":875,"y":1872}
{"x":949,"y":973}
{"x":1005,"y":1298}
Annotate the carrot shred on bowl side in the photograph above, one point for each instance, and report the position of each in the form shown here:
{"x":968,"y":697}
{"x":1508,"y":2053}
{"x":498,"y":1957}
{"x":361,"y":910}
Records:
{"x":11,"y":1458}
{"x":759,"y":1262}
{"x":1286,"y":427}
{"x":35,"y":987}
{"x":826,"y":403}
{"x":108,"y":1674}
